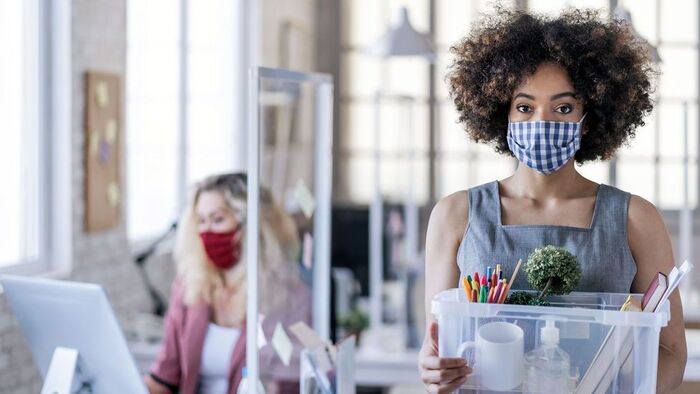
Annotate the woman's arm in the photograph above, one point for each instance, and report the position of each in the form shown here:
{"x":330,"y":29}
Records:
{"x":651,"y":249}
{"x":165,"y":372}
{"x":447,"y":223}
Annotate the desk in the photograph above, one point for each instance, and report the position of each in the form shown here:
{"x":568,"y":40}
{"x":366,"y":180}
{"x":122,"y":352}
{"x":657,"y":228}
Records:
{"x":388,"y":369}
{"x":381,"y":370}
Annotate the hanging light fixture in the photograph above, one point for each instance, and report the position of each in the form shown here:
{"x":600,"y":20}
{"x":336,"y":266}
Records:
{"x":621,"y":14}
{"x":401,"y":39}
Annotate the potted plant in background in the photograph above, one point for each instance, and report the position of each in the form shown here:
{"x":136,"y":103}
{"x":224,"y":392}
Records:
{"x":354,"y":322}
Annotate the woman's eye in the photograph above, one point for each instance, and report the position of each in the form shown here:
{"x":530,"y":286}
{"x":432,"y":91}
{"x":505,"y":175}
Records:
{"x":523,"y":108}
{"x":218,"y":220}
{"x":564,"y":109}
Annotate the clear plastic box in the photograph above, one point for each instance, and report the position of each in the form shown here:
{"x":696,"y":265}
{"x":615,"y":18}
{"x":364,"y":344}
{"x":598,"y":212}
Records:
{"x":591,"y":327}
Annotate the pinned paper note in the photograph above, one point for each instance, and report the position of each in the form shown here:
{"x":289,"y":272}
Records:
{"x":308,"y":251}
{"x":113,"y":195}
{"x":306,"y":335}
{"x":94,"y":143}
{"x":102,"y":94}
{"x":105,"y":152}
{"x":111,"y":131}
{"x":282,"y":344}
{"x":304,"y":198}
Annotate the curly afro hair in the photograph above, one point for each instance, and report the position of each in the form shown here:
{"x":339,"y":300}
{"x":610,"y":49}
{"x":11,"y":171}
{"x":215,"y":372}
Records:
{"x":610,"y":70}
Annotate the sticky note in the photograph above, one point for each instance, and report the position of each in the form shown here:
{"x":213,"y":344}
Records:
{"x":105,"y":152}
{"x":262,"y":341}
{"x":94,"y":143}
{"x":282,"y":344}
{"x":306,"y":335}
{"x":113,"y":195}
{"x":304,"y":198}
{"x":308,"y":252}
{"x":111,"y":131}
{"x":102,"y":94}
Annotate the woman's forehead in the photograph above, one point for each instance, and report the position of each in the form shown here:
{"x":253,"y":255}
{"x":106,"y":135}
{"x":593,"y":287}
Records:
{"x":548,"y":79}
{"x":210,"y":201}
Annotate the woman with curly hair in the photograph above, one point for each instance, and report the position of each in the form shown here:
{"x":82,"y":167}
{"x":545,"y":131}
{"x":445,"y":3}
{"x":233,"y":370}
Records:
{"x":203,"y":349}
{"x":550,"y":91}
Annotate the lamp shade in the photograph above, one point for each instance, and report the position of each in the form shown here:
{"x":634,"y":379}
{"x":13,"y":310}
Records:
{"x":625,"y":16}
{"x":403,"y":40}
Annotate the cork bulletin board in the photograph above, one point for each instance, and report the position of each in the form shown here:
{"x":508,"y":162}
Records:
{"x":103,"y":147}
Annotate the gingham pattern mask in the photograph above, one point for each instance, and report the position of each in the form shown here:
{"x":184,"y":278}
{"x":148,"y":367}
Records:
{"x":544,"y":145}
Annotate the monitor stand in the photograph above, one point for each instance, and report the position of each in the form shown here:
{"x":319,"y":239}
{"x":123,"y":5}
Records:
{"x":66,"y":374}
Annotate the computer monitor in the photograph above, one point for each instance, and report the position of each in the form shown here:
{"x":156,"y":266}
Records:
{"x":77,"y":316}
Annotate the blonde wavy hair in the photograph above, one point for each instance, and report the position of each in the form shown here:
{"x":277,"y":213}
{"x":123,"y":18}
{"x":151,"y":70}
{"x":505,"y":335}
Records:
{"x":279,"y":246}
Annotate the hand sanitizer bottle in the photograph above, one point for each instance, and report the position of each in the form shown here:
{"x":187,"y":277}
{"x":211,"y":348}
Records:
{"x":547,"y":367}
{"x":243,"y":385}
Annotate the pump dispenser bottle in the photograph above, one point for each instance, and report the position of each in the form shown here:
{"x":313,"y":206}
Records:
{"x":547,"y":367}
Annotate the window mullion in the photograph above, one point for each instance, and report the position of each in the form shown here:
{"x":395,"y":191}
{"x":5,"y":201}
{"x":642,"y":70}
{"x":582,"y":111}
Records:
{"x":182,"y":153}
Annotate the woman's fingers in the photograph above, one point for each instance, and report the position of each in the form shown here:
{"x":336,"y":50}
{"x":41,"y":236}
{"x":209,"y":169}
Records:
{"x":436,"y":388}
{"x":442,"y":376}
{"x":434,"y":362}
{"x":433,"y":332}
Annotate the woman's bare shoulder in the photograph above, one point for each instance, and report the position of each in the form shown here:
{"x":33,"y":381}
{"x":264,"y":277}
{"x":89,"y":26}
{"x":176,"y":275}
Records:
{"x":451,"y":214}
{"x":643,"y":217}
{"x":648,"y":236}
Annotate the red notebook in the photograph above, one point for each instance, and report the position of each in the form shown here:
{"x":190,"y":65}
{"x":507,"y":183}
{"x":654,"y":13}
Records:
{"x":654,"y":292}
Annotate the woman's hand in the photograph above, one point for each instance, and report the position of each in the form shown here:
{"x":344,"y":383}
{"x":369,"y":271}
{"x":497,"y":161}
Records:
{"x":440,"y":375}
{"x":155,"y":387}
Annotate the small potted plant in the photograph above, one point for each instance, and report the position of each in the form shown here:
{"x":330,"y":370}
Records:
{"x":551,"y":270}
{"x":354,"y":322}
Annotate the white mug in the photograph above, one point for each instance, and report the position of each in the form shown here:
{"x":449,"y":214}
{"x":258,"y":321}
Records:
{"x":499,"y":349}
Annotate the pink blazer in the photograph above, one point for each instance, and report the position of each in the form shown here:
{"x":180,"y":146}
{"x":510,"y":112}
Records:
{"x":180,"y":355}
{"x":178,"y":362}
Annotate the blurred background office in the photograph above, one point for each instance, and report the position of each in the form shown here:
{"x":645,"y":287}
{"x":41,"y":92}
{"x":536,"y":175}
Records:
{"x":182,"y":68}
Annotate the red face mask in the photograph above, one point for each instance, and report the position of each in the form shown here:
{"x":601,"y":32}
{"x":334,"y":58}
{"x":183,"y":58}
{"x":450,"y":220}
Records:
{"x":223,"y":249}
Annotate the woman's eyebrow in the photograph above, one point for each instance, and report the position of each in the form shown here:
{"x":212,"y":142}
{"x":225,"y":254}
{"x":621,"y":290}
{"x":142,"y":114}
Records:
{"x":211,"y":213}
{"x":563,"y":94}
{"x":527,"y":96}
{"x":552,"y":98}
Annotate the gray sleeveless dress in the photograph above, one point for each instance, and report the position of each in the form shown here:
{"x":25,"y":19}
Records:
{"x":602,"y":249}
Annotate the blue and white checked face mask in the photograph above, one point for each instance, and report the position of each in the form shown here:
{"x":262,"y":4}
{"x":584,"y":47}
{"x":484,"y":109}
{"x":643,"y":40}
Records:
{"x":544,"y":145}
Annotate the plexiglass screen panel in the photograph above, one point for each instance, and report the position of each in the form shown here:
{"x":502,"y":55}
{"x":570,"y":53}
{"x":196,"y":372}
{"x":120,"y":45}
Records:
{"x":290,"y":168}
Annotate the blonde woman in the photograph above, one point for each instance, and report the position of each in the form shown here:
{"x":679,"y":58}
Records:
{"x":203,"y":349}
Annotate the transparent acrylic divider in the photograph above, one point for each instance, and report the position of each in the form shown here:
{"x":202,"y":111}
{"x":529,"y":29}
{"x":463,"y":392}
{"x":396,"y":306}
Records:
{"x":289,"y":192}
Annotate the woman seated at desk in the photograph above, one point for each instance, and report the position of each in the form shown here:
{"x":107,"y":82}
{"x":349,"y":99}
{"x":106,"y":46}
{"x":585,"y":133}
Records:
{"x":203,"y":349}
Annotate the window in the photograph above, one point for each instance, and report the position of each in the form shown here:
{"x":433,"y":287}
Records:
{"x":183,"y":92}
{"x":21,"y":203}
{"x":659,"y":147}
{"x":152,"y":121}
{"x":459,"y":163}
{"x":404,"y":106}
